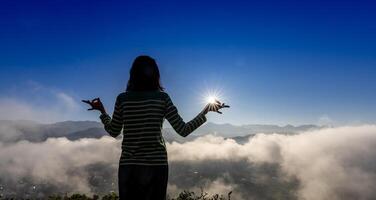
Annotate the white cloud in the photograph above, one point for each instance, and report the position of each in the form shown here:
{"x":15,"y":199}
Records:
{"x":334,"y":163}
{"x":52,"y":161}
{"x":65,"y":108}
{"x":67,"y":101}
{"x":15,"y":109}
{"x":42,"y":104}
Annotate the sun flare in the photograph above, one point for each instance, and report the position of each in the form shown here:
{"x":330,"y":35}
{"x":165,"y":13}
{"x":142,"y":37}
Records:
{"x":211,"y":96}
{"x":211,"y":99}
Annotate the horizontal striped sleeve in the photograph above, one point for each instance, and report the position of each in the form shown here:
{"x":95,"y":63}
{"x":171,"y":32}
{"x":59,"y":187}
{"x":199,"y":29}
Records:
{"x":182,"y":128}
{"x":115,"y":125}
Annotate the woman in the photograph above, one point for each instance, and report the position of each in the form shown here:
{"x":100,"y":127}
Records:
{"x":140,"y":112}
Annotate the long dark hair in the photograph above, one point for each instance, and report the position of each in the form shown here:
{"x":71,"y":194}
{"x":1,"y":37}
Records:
{"x":144,"y":75}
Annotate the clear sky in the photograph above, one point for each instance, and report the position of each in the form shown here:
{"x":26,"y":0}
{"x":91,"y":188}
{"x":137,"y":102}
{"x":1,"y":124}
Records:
{"x":275,"y":62}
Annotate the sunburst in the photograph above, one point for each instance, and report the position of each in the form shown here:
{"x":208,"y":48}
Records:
{"x":211,"y":96}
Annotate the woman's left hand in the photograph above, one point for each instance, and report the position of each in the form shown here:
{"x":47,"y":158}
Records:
{"x":95,"y":104}
{"x":215,"y":107}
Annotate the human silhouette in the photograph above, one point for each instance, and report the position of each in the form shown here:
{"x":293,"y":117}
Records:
{"x":140,"y":112}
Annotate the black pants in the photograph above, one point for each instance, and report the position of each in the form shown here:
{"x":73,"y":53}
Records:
{"x":139,"y":182}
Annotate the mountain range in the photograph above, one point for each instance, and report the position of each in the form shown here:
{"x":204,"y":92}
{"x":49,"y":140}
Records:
{"x":13,"y":131}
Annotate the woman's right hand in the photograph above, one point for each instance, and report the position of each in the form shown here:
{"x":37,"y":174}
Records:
{"x":215,"y":107}
{"x":95,"y":104}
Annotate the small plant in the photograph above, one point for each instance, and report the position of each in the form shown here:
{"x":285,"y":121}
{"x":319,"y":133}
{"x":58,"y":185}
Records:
{"x":111,"y":196}
{"x":187,"y":195}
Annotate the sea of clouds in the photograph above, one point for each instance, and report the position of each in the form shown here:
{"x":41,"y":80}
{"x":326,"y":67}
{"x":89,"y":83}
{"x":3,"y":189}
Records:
{"x":332,"y":163}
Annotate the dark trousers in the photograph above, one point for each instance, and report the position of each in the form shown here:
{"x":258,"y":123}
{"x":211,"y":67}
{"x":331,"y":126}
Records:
{"x":139,"y":182}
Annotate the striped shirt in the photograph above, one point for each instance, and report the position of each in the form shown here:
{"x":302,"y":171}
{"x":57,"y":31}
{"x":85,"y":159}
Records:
{"x":140,"y":115}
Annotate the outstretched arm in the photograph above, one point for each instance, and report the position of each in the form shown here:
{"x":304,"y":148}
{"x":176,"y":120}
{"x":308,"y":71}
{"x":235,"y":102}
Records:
{"x":182,"y":128}
{"x":113,"y":125}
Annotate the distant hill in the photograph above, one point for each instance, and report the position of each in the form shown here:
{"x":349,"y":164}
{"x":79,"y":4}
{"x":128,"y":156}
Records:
{"x":12,"y":131}
{"x":229,"y":130}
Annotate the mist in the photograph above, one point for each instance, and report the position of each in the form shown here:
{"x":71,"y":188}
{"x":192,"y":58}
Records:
{"x":332,"y":163}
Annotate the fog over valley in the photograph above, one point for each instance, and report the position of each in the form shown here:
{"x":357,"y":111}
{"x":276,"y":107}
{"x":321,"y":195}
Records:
{"x":256,"y":162}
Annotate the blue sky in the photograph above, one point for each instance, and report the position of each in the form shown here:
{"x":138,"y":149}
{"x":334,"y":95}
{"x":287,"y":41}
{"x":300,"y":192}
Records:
{"x":289,"y":62}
